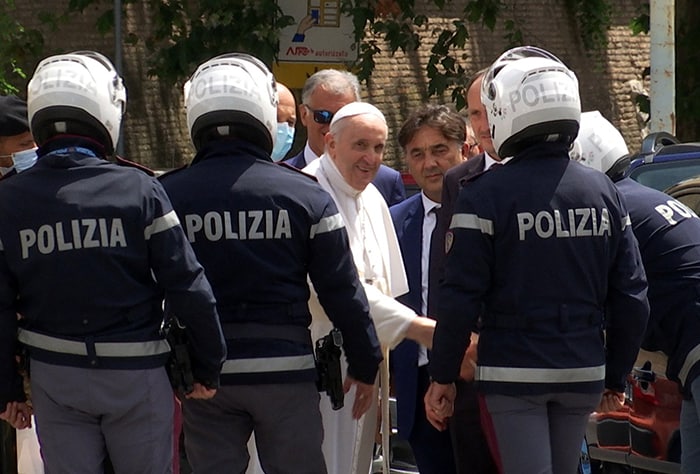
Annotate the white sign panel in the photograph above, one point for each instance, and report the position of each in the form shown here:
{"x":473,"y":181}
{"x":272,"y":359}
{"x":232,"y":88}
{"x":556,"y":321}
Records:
{"x":321,"y":33}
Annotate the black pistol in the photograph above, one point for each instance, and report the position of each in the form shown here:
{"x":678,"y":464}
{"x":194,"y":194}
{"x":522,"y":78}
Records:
{"x":179,"y":364}
{"x":330,"y":377}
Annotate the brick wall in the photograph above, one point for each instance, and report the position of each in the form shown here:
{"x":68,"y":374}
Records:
{"x":399,"y":83}
{"x":155,"y":126}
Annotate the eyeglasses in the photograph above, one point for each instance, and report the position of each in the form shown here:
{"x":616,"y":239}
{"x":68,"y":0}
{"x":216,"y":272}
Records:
{"x":321,"y":116}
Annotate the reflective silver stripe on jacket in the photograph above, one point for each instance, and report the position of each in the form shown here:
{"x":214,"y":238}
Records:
{"x":102,"y":349}
{"x":160,"y":224}
{"x":529,"y":375}
{"x":472,"y":221}
{"x":268,"y":364}
{"x":690,"y":360}
{"x":327,"y":224}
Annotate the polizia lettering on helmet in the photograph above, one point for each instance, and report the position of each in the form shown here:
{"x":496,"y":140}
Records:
{"x":74,"y":235}
{"x":241,"y":225}
{"x":532,"y":95}
{"x":225,"y":85}
{"x":62,"y":78}
{"x":566,"y":223}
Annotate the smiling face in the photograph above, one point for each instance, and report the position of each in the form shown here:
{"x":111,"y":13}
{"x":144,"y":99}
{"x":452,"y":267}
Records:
{"x":322,"y":99}
{"x":429,"y":155}
{"x":357,"y":148}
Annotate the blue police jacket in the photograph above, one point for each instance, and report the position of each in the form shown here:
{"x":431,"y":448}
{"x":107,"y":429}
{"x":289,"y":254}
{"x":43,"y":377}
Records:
{"x":668,"y":233}
{"x":260,"y":228}
{"x":538,"y":249}
{"x":88,"y":251}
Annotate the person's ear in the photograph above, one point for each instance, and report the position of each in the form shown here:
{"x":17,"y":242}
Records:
{"x":466,"y":148}
{"x":304,"y":114}
{"x":330,"y":144}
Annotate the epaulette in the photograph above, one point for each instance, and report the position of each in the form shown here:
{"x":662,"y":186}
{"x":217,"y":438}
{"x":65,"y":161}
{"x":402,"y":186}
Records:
{"x":294,"y":168}
{"x":131,"y":164}
{"x":172,"y":171}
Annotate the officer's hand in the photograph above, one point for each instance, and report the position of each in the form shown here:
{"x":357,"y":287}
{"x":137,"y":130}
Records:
{"x":200,"y":392}
{"x":611,"y":401}
{"x":17,"y":414}
{"x":364,"y":394}
{"x":439,"y":404}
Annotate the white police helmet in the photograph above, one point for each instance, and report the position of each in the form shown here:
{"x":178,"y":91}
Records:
{"x":232,"y":93}
{"x":76,"y":93}
{"x":530,"y":96}
{"x":600,"y":145}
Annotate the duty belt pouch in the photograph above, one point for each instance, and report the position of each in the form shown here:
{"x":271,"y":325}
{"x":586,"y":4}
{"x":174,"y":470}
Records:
{"x":179,"y":365}
{"x":330,"y":377}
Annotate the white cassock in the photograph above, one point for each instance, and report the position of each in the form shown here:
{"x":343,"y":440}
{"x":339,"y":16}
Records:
{"x":348,"y":444}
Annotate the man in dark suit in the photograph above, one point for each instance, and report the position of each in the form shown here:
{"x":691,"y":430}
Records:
{"x":473,"y":444}
{"x":324,"y":93}
{"x":433,"y":141}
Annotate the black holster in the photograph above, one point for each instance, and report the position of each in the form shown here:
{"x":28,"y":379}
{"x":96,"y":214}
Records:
{"x":179,"y":365}
{"x":330,"y":377}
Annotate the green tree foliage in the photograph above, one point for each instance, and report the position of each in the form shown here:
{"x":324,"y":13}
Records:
{"x":17,"y":45}
{"x":186,"y":32}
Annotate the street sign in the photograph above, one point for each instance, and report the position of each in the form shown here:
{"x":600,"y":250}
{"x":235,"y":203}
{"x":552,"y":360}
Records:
{"x":321,"y":38}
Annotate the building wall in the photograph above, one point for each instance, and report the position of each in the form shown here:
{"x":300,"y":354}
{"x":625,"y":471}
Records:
{"x":155,"y":125}
{"x":399,"y":83}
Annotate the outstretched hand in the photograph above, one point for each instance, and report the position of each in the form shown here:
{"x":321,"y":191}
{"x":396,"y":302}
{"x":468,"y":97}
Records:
{"x":468,"y":367}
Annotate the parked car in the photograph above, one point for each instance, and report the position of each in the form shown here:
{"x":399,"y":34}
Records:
{"x":663,"y":161}
{"x":410,"y":184}
{"x":687,"y":192}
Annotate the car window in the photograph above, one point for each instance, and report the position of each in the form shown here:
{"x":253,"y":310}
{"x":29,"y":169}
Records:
{"x":661,"y":175}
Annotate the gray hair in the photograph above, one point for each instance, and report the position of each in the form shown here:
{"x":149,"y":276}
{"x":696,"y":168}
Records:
{"x":335,"y":81}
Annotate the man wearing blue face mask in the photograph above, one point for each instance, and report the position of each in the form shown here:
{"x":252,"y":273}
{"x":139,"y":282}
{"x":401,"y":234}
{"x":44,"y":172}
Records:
{"x":286,"y":120}
{"x":17,"y":152}
{"x":17,"y":147}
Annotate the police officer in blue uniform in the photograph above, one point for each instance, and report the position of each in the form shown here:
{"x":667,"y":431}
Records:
{"x":86,"y":260}
{"x":540,"y":249}
{"x":668,"y":233}
{"x":259,"y":229}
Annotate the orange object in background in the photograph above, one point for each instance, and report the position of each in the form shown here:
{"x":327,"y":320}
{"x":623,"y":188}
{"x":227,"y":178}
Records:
{"x":645,"y":433}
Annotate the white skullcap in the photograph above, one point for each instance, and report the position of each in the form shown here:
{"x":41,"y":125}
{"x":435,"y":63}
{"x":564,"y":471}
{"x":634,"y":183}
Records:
{"x":357,"y":108}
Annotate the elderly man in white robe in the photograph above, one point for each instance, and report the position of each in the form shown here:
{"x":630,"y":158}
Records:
{"x":354,"y":150}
